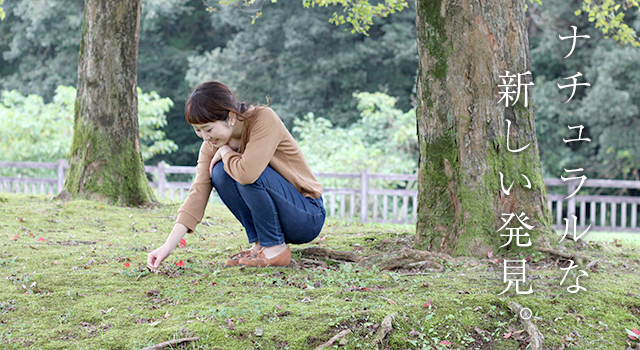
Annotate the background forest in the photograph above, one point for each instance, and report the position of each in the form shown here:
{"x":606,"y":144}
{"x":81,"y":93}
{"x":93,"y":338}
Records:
{"x":348,"y":98}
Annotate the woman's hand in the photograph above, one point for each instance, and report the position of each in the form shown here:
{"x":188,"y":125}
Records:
{"x":156,"y":257}
{"x":218,"y":157}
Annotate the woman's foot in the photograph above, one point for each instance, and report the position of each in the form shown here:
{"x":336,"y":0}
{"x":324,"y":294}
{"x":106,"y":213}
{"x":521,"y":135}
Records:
{"x":235,"y":258}
{"x":279,"y":255}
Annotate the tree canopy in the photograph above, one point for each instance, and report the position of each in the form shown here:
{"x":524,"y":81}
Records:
{"x":304,"y":64}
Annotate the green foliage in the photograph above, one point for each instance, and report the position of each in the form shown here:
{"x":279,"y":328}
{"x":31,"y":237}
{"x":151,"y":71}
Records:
{"x":34,"y":130}
{"x":304,"y":64}
{"x":292,"y":55}
{"x":607,"y":15}
{"x":40,"y":43}
{"x":609,"y":109}
{"x":151,"y":118}
{"x":2,"y":14}
{"x":384,"y":140}
{"x":37,"y":131}
{"x":359,"y":13}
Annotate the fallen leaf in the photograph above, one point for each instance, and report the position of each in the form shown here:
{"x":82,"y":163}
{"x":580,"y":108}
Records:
{"x":104,"y":312}
{"x":445,"y":343}
{"x":633,"y":334}
{"x":490,"y":255}
{"x":127,"y":264}
{"x":507,"y":335}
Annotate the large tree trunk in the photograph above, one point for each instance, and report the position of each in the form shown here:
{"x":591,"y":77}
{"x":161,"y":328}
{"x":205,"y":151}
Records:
{"x":105,"y":160}
{"x":464,"y":46}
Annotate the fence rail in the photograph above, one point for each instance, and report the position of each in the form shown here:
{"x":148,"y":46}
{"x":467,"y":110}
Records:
{"x":367,"y":204}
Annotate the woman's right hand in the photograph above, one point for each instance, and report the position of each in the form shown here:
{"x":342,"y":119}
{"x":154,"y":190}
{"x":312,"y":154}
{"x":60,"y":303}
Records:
{"x":216,"y":158}
{"x":156,"y":257}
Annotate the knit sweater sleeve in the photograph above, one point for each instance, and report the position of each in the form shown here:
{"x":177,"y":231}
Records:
{"x":192,"y":210}
{"x":264,"y":137}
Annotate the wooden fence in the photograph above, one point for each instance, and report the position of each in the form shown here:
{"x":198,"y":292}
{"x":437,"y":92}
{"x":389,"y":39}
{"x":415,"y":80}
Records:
{"x":368,"y":204}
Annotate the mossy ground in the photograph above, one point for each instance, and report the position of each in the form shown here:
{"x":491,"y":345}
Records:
{"x":74,"y":277}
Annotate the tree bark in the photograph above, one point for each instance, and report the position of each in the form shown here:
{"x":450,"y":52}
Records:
{"x":105,"y":160}
{"x":464,"y":47}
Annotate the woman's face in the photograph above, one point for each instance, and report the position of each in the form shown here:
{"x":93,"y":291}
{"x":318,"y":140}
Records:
{"x":217,"y":133}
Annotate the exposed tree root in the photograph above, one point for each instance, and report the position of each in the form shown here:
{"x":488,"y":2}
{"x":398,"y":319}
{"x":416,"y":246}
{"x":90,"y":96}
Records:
{"x":333,"y":254}
{"x":571,"y":256}
{"x":386,"y":327}
{"x":304,"y":261}
{"x":536,"y":337}
{"x":171,"y":343}
{"x":406,"y":258}
{"x":332,"y":340}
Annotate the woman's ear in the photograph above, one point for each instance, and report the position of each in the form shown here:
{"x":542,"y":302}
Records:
{"x":232,"y":118}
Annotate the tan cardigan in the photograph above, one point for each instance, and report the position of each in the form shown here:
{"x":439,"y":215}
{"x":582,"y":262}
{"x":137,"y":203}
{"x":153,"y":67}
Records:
{"x":265,"y":141}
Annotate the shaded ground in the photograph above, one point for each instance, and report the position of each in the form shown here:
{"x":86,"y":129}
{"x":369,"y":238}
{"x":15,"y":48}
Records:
{"x":74,"y":276}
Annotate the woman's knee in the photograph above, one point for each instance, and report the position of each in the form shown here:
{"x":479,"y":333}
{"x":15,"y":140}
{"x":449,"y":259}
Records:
{"x":219,"y":175}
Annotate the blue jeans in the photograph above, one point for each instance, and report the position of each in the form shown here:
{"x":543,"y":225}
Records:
{"x":271,"y":210}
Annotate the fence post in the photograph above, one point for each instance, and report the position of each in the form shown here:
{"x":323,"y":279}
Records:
{"x":571,"y":202}
{"x":161,"y":179}
{"x":62,"y":163}
{"x":364,"y":194}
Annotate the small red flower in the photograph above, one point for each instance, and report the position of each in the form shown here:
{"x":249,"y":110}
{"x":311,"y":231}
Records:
{"x":40,"y":239}
{"x":633,"y":331}
{"x":445,"y":343}
{"x":126,"y":264}
{"x":180,"y":263}
{"x":182,"y":243}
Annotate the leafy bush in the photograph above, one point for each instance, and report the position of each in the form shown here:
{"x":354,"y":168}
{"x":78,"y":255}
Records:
{"x":384,"y":140}
{"x":36,"y":131}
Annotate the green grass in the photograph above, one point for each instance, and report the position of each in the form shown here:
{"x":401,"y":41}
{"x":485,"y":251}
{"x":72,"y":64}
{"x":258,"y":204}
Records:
{"x":627,"y":237}
{"x":66,"y":285}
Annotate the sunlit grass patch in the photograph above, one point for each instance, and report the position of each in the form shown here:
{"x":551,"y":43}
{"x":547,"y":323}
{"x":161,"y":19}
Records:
{"x":75,"y":277}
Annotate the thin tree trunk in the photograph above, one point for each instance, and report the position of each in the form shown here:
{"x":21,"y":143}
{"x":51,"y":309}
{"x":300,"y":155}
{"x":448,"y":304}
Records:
{"x":464,"y":47}
{"x":105,"y":160}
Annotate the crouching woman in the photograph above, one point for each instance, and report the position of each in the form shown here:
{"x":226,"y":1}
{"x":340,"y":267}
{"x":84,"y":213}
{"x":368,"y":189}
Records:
{"x":259,"y":172}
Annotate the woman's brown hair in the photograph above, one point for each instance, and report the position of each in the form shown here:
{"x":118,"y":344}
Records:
{"x":212,"y":101}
